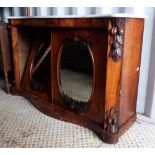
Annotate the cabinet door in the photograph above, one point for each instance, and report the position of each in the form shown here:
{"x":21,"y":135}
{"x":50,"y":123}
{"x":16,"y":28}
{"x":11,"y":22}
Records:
{"x":78,"y":71}
{"x":37,"y":75}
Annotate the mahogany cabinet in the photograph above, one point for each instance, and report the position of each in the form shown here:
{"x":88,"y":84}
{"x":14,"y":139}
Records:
{"x":83,"y":70}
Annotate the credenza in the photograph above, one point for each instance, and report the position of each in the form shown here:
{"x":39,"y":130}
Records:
{"x":83,"y":70}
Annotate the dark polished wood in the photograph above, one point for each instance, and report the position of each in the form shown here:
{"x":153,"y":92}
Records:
{"x":5,"y":54}
{"x":61,"y":22}
{"x":115,"y":49}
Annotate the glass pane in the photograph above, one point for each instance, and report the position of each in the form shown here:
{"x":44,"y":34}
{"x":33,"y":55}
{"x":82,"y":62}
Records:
{"x":76,"y":71}
{"x":40,"y":67}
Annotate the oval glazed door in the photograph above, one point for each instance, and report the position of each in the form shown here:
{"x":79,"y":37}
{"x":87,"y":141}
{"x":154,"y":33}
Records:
{"x":76,"y":73}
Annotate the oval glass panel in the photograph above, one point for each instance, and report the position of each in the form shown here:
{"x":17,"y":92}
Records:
{"x":76,"y":73}
{"x":40,"y":67}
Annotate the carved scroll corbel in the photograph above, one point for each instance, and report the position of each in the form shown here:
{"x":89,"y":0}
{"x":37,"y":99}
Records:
{"x":111,"y":121}
{"x":116,"y":41}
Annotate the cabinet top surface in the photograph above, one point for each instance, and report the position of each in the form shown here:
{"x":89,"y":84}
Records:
{"x":119,"y":15}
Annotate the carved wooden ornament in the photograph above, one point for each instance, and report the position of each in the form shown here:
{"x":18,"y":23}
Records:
{"x":75,"y":105}
{"x":111,"y":121}
{"x":116,"y":41}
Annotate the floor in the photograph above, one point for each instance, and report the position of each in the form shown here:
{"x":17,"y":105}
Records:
{"x":22,"y":125}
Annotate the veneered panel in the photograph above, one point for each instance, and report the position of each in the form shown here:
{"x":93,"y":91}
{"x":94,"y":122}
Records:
{"x":130,"y":69}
